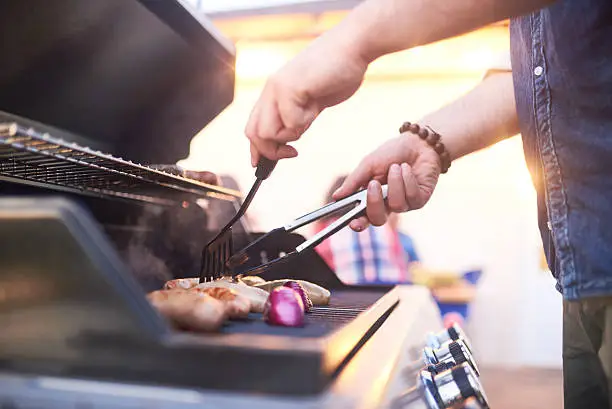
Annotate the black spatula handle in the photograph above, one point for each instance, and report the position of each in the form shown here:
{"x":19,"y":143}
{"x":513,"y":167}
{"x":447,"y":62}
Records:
{"x":265,"y":167}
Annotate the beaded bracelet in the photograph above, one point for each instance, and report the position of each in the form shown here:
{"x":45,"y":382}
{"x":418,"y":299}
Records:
{"x":433,"y":139}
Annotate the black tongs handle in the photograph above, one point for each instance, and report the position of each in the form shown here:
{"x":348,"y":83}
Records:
{"x":265,"y":167}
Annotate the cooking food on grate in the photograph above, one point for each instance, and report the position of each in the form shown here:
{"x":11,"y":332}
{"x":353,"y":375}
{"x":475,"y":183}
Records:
{"x":255,"y":289}
{"x":238,"y":306}
{"x":187,"y":283}
{"x":181,"y":284}
{"x":256,"y":296}
{"x":251,"y":280}
{"x":284,"y":307}
{"x":297,"y":287}
{"x":317,"y":294}
{"x":189,"y":310}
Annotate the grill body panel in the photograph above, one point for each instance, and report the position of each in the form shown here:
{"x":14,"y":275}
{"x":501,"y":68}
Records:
{"x":103,"y":328}
{"x":371,"y":379}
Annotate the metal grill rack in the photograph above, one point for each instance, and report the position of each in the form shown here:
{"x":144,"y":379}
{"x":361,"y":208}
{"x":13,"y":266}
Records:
{"x":30,"y":156}
{"x":344,"y":308}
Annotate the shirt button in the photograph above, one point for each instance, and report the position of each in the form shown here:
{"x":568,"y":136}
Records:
{"x":538,"y":70}
{"x":549,"y":225}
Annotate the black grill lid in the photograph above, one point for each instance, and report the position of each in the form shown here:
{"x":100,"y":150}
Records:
{"x":137,"y":78}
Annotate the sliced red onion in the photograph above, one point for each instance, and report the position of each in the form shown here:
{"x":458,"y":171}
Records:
{"x":284,"y":307}
{"x":297,"y":287}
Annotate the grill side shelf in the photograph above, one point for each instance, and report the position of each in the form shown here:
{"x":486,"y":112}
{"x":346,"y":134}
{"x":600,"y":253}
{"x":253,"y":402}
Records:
{"x":29,"y":155}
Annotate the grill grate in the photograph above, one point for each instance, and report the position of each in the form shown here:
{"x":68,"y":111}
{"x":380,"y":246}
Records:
{"x":335,"y":316}
{"x":28,"y":155}
{"x":345,"y":306}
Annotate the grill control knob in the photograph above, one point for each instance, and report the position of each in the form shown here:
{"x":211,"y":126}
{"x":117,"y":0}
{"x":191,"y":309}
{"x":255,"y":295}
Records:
{"x":452,"y":333}
{"x":453,"y":353}
{"x":440,"y":367}
{"x":455,"y":388}
{"x":423,"y":395}
{"x":435,"y":361}
{"x":460,"y":386}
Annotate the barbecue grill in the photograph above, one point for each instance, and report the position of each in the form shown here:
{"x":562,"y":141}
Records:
{"x":89,"y":223}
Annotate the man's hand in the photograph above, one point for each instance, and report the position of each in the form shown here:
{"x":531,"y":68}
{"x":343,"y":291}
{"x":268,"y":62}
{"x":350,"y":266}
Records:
{"x":407,"y":164}
{"x":482,"y":117}
{"x":324,"y":74}
{"x":331,"y":69}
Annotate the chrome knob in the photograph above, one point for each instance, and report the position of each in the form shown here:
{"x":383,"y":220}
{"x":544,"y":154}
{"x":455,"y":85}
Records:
{"x":453,"y":353}
{"x":423,"y":395}
{"x":449,"y":355}
{"x":452,"y":333}
{"x":458,"y":385}
{"x":455,"y":388}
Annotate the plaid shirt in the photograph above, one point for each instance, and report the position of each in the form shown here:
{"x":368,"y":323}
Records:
{"x":373,"y":256}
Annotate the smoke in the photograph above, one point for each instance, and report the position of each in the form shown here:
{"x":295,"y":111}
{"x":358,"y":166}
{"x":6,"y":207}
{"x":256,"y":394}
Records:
{"x":149,"y":269}
{"x":146,"y":265}
{"x":167,"y":242}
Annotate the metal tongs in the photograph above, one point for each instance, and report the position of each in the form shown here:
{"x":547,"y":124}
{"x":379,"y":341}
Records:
{"x":354,"y":205}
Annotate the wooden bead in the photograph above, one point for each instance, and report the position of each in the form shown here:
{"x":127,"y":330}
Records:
{"x":433,"y":138}
{"x":445,"y":159}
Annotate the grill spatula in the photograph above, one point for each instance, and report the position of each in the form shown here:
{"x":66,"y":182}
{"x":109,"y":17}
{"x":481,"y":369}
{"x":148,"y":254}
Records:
{"x":354,"y":206}
{"x":216,"y":253}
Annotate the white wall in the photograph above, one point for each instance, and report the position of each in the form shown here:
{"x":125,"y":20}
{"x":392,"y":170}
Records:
{"x":481,"y":215}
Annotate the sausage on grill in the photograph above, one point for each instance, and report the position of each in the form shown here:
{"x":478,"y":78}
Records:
{"x":181,"y":284}
{"x":237,"y":306}
{"x":256,"y":296}
{"x":189,"y":310}
{"x":317,"y":294}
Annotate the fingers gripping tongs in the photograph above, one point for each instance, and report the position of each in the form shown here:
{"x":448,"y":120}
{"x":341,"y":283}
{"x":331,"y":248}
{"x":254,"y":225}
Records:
{"x":354,"y":205}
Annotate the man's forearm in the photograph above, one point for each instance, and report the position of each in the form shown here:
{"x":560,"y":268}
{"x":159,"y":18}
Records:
{"x":379,"y":27}
{"x":482,"y":117}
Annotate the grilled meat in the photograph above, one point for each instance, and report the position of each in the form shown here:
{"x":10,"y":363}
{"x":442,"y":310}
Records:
{"x":251,"y":280}
{"x":238,"y":306}
{"x":256,"y":296}
{"x":317,"y":294}
{"x":181,"y":284}
{"x":189,"y":310}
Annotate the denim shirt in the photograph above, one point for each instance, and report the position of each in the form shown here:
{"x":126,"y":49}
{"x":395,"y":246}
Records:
{"x":562,"y":69}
